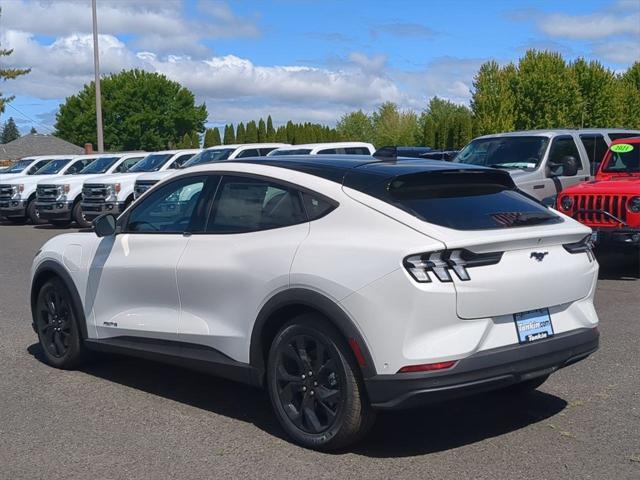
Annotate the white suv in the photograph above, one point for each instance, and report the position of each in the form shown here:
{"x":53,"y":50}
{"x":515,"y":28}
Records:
{"x":334,"y":148}
{"x":218,"y":153}
{"x":342,"y":285}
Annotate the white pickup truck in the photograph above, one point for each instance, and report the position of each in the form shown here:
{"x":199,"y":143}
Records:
{"x":212,"y":154}
{"x":18,"y":195}
{"x":58,"y":201}
{"x":114,"y":193}
{"x":543,"y":162}
{"x":25,"y":166}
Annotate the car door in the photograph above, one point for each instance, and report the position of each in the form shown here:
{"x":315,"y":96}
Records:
{"x":132,"y":282}
{"x":242,"y":257}
{"x":565,"y":146}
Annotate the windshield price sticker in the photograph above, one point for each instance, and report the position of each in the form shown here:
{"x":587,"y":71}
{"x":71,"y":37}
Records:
{"x":621,"y":148}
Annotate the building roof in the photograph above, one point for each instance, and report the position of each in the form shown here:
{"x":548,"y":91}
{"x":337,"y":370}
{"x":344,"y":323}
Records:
{"x":37,"y":144}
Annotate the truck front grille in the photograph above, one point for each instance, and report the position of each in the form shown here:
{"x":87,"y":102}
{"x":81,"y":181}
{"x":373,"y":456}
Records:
{"x":6,"y":192}
{"x":600,"y":210}
{"x":142,"y":186}
{"x":47,"y":193}
{"x":94,"y":193}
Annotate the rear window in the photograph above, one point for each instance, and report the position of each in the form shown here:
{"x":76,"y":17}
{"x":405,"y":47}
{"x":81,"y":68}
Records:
{"x":467,"y":201}
{"x":296,"y":151}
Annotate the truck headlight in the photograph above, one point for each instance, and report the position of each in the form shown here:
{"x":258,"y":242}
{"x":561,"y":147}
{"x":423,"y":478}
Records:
{"x":62,"y":192}
{"x":634,"y":204}
{"x":566,"y":203}
{"x":16,"y":191}
{"x":112,"y":192}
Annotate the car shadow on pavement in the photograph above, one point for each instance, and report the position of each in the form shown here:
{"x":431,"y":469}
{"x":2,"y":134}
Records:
{"x":434,"y":428}
{"x":619,"y":264}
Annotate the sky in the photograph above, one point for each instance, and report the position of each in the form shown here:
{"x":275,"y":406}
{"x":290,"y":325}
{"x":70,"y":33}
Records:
{"x":298,"y":60}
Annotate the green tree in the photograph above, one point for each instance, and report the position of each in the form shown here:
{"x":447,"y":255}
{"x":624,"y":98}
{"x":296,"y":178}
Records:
{"x":211,"y":138}
{"x":632,"y":75}
{"x":195,"y":140}
{"x":445,"y":125}
{"x":598,"y":87}
{"x":9,"y":132}
{"x":229,"y":135}
{"x":547,"y":92}
{"x":251,"y":134}
{"x":355,"y":126}
{"x":141,"y":111}
{"x":271,"y":133}
{"x":33,"y":130}
{"x":394,"y":127}
{"x":493,"y":100}
{"x":240,"y":133}
{"x":185,"y":142}
{"x":262,"y":131}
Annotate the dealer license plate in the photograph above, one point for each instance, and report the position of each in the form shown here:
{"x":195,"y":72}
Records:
{"x":534,"y":325}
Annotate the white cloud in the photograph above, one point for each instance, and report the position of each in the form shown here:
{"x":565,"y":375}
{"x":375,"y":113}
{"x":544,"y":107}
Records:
{"x":590,"y":27}
{"x":160,"y":25}
{"x":621,"y":52}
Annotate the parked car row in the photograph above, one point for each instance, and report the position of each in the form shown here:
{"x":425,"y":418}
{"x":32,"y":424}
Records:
{"x":60,"y":189}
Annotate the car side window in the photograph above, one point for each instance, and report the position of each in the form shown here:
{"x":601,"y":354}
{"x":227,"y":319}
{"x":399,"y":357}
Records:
{"x":264,"y":151}
{"x":329,"y":151}
{"x":77,"y":166}
{"x":37,"y":166}
{"x":560,"y":148}
{"x":356,"y":151}
{"x":246,"y":204}
{"x":127,"y":164}
{"x":178,"y":162}
{"x":251,"y":152}
{"x":596,"y":147}
{"x":169,"y":209}
{"x":315,"y":205}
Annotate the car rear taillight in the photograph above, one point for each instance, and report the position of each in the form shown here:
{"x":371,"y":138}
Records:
{"x":441,"y":262}
{"x":583,"y":246}
{"x":427,"y":367}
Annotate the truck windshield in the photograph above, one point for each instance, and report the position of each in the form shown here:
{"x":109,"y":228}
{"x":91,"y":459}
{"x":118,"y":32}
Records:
{"x":100,"y":165}
{"x":208,"y":156}
{"x":524,"y":152}
{"x":625,"y":160}
{"x":18,"y":166}
{"x":53,"y":167}
{"x":151,"y":163}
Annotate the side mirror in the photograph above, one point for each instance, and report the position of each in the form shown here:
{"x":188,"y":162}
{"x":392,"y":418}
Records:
{"x":105,"y":225}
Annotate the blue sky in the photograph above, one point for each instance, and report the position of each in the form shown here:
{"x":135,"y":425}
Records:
{"x":300,"y":60}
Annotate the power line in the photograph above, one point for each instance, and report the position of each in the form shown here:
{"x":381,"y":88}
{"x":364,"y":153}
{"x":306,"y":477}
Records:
{"x":27,"y":117}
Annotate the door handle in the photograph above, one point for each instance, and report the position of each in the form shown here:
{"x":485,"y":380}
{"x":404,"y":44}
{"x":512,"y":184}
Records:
{"x":538,"y":187}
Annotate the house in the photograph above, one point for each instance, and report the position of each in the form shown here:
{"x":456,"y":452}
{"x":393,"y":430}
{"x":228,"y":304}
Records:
{"x":37,"y":144}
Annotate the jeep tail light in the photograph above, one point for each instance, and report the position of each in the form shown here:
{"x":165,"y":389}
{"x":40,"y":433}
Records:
{"x":442,"y":262}
{"x":427,"y":367}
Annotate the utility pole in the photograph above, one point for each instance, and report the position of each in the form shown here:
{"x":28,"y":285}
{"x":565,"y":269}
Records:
{"x":96,"y":65}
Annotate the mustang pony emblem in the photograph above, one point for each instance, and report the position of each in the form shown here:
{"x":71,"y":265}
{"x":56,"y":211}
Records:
{"x":539,"y":256}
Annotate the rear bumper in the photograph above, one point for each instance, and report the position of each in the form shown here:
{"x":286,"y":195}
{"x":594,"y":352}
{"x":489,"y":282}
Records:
{"x":13,"y":208}
{"x":94,"y":210}
{"x":627,"y":236}
{"x":487,"y":370}
{"x":54,"y":210}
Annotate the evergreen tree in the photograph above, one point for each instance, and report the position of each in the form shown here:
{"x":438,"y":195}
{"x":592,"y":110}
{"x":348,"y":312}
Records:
{"x":271,"y":133}
{"x":251,"y":134}
{"x":185,"y":142}
{"x":229,"y":136}
{"x":262,"y":131}
{"x":10,"y":131}
{"x":212,"y":138}
{"x":240,"y":133}
{"x":195,"y":140}
{"x":33,"y":130}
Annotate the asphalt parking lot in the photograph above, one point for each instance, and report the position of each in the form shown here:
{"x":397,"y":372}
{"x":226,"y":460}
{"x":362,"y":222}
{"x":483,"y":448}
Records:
{"x":126,"y":418}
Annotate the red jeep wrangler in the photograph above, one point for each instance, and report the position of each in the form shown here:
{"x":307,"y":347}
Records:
{"x":609,"y":204}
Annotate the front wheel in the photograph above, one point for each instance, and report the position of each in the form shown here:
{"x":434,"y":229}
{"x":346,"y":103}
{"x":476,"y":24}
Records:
{"x":57,"y":326}
{"x":78,"y":216}
{"x":33,"y":214}
{"x":315,"y":385}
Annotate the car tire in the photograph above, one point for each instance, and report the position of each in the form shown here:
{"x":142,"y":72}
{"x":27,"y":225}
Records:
{"x":57,"y":325}
{"x":523,"y":388}
{"x":315,"y":385}
{"x":78,"y":216}
{"x":32,"y":213}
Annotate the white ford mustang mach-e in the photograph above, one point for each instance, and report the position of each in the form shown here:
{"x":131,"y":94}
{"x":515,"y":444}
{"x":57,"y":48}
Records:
{"x":342,"y":284}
